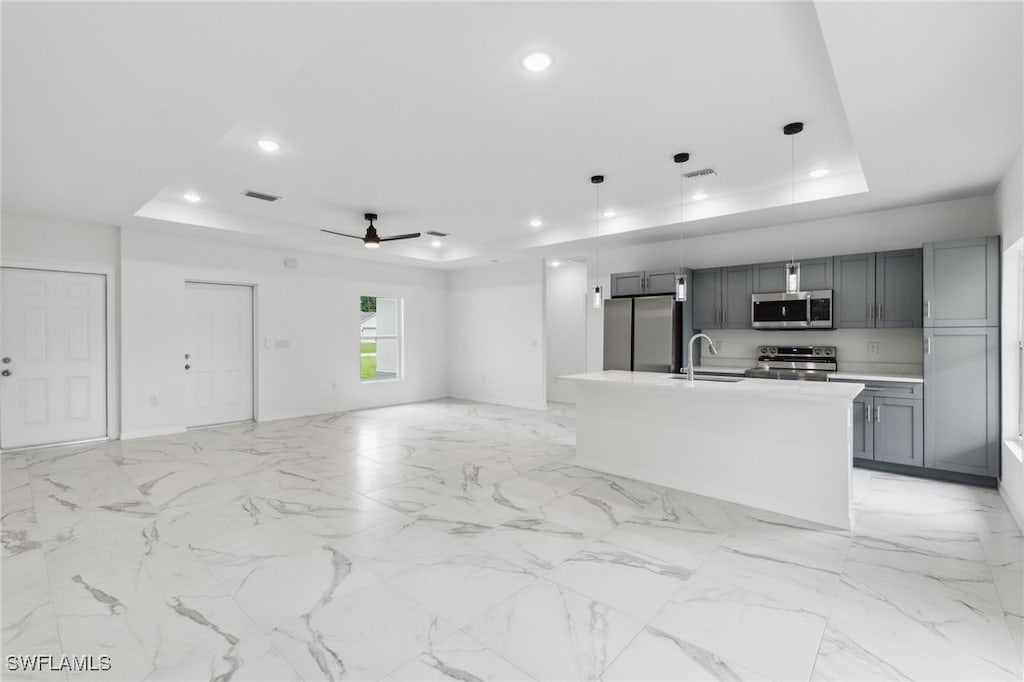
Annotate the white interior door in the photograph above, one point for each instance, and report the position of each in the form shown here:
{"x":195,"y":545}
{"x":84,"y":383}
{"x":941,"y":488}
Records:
{"x":53,"y":387}
{"x":218,"y":353}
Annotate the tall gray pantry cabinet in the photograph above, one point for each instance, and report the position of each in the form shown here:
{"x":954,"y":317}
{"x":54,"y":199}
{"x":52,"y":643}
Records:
{"x":961,"y":356}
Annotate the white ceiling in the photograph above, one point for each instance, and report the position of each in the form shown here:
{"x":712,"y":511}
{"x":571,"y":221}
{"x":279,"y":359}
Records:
{"x":421,"y":113}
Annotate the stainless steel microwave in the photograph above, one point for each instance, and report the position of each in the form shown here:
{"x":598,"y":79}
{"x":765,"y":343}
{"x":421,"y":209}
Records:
{"x":795,"y":310}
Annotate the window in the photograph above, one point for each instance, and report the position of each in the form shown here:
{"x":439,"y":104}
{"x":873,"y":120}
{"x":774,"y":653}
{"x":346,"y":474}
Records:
{"x":380,"y":338}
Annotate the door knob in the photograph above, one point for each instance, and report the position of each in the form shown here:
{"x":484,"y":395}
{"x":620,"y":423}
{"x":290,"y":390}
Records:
{"x":188,"y":366}
{"x":6,"y":372}
{"x":5,"y":360}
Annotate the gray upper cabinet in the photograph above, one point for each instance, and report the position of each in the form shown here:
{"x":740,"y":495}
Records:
{"x":854,"y":294}
{"x":961,"y":384}
{"x":661,"y":281}
{"x":815,"y":274}
{"x":627,"y":283}
{"x":643,"y":283}
{"x":898,"y":288}
{"x":707,"y":298}
{"x":961,"y":283}
{"x":737,"y":286}
{"x":721,"y":297}
{"x":878,"y":289}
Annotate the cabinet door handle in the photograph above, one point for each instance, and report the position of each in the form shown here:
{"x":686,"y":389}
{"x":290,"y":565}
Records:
{"x":873,"y":388}
{"x":928,"y":309}
{"x":928,"y":345}
{"x":724,"y":311}
{"x":878,"y":414}
{"x":881,"y":313}
{"x":867,"y":414}
{"x":871,"y":311}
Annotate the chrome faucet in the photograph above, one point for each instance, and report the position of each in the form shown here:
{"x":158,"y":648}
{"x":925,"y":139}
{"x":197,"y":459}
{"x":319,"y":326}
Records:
{"x":689,"y":356}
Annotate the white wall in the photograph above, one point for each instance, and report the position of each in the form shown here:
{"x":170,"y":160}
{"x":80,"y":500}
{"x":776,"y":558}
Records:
{"x":496,"y":332}
{"x":899,"y":228}
{"x":565,"y":318}
{"x":315,"y":308}
{"x":1009,"y":201}
{"x":49,"y":243}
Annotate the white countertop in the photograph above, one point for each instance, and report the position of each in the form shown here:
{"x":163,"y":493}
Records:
{"x":774,"y":388}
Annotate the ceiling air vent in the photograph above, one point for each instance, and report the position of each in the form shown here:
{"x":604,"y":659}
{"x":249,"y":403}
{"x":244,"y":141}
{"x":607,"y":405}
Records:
{"x":703,"y":172}
{"x":261,"y":196}
{"x":432,"y":233}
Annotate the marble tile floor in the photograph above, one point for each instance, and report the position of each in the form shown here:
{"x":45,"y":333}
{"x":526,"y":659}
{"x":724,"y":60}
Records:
{"x":454,"y":540}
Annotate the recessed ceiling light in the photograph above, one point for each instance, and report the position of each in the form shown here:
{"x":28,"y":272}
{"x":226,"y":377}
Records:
{"x":536,"y":61}
{"x":436,"y":243}
{"x":555,"y":263}
{"x":191,"y":197}
{"x":818,"y":172}
{"x":699,"y":196}
{"x":536,"y":222}
{"x":609,"y":214}
{"x":268,"y":145}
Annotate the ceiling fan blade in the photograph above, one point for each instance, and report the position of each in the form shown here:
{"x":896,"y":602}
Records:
{"x":342,"y":234}
{"x":411,"y":235}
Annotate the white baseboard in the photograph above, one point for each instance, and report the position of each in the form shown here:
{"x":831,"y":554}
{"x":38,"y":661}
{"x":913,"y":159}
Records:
{"x":151,"y":433}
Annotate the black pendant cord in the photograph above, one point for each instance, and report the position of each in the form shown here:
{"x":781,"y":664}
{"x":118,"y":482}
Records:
{"x":681,"y":183}
{"x":792,"y":199}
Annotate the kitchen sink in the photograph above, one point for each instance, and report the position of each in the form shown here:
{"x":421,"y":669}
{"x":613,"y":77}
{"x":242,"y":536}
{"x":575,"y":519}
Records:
{"x":728,"y":380}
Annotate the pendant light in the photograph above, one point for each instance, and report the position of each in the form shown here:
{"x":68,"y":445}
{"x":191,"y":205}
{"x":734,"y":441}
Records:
{"x":792,"y":267}
{"x":597,"y":180}
{"x":680,"y":158}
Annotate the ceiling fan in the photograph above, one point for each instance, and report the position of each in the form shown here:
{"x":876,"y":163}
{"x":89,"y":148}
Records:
{"x":371,"y":239}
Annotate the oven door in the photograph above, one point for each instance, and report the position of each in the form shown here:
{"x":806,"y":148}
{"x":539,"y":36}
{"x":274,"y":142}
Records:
{"x":781,"y":311}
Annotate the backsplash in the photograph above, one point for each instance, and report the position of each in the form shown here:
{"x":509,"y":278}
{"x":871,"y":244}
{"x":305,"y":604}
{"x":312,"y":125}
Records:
{"x":900,"y":351}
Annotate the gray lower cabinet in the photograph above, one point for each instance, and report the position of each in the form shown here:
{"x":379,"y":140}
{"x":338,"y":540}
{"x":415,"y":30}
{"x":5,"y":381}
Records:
{"x":899,"y":431}
{"x":815,"y":274}
{"x":961,"y":373}
{"x":863,"y":433}
{"x":888,"y":423}
{"x":875,"y":290}
{"x":961,"y":283}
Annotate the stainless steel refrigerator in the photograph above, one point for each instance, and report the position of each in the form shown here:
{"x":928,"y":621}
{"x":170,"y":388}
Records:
{"x":646,"y":333}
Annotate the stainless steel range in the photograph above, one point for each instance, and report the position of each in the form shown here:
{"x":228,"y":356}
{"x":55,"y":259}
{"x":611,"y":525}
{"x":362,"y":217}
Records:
{"x":796,"y":363}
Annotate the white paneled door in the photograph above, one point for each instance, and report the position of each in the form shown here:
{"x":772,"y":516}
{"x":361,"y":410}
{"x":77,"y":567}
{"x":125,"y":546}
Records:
{"x":53,"y":387}
{"x":218,"y":353}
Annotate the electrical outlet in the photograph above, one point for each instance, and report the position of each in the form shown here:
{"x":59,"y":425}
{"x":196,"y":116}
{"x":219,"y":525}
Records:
{"x":872,"y":347}
{"x":152,"y":401}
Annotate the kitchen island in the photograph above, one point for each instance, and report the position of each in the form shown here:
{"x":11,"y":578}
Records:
{"x":784,"y":446}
